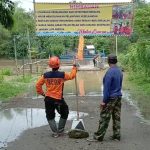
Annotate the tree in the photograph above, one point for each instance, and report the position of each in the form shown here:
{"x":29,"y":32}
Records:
{"x":6,"y":13}
{"x":142,"y":21}
{"x":137,"y":56}
{"x":4,"y":41}
{"x":22,"y":21}
{"x":100,"y":43}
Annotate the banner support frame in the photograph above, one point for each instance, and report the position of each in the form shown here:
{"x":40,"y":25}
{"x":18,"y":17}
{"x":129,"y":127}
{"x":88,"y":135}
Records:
{"x":116,"y":45}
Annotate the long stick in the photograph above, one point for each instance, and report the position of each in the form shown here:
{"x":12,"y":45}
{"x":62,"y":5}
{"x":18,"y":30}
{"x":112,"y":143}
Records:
{"x":77,"y":98}
{"x":116,"y":46}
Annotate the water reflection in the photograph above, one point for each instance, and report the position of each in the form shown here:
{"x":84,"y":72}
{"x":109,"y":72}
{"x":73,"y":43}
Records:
{"x":15,"y":120}
{"x":88,"y":83}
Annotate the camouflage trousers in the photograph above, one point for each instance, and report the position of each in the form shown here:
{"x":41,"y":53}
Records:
{"x":113,"y":108}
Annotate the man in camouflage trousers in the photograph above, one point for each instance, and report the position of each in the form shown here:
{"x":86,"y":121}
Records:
{"x":111,"y":104}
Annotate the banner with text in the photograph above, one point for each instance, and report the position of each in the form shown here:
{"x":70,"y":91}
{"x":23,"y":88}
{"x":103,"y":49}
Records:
{"x":86,"y":19}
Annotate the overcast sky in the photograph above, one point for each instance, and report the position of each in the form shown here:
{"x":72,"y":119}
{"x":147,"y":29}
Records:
{"x":28,"y":4}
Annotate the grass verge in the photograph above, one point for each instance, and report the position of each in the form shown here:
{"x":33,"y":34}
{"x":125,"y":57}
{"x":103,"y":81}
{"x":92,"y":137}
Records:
{"x":139,"y":88}
{"x":14,"y":87}
{"x":139,"y":83}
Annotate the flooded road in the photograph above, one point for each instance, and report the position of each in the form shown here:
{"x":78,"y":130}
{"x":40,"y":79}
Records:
{"x":16,"y":120}
{"x":89,"y":83}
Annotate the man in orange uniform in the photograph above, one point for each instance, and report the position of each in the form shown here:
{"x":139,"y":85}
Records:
{"x":54,"y":81}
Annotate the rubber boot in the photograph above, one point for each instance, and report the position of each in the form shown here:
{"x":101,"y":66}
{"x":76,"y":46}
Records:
{"x":61,"y":125}
{"x":53,"y":127}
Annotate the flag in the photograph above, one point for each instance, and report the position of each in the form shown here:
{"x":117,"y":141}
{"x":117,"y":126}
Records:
{"x":80,"y":48}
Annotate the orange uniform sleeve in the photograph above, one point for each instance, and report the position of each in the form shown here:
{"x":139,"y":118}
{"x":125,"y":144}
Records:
{"x":71,"y":75}
{"x":39,"y":85}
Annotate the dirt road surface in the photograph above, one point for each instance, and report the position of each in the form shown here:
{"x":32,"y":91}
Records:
{"x":135,"y":134}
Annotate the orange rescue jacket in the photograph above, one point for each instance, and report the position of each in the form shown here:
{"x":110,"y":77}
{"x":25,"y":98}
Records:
{"x":54,"y":81}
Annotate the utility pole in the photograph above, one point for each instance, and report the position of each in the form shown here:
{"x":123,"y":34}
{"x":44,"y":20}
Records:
{"x":29,"y":50}
{"x":29,"y":46}
{"x":15,"y":51}
{"x":34,"y":6}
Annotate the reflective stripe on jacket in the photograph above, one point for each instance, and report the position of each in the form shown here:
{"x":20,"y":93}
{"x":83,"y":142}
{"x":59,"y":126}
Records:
{"x":54,"y":81}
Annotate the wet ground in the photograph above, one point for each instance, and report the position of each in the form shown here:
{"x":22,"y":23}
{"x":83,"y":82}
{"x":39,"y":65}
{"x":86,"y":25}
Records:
{"x":14,"y":121}
{"x":27,"y":113}
{"x":135,"y":133}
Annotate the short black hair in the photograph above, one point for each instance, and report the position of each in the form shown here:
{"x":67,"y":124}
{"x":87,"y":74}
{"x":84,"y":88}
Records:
{"x":112,"y":59}
{"x":55,"y":69}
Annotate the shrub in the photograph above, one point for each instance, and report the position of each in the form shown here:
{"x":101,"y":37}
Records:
{"x":1,"y":78}
{"x":6,"y":71}
{"x":25,"y":79}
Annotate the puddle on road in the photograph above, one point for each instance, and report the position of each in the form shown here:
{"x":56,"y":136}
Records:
{"x":16,"y":120}
{"x":141,"y":112}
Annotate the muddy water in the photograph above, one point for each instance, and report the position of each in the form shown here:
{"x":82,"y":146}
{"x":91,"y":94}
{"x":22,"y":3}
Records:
{"x":89,"y":83}
{"x":15,"y":120}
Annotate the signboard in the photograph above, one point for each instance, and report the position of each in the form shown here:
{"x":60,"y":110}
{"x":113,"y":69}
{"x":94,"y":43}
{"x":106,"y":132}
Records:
{"x":86,"y":19}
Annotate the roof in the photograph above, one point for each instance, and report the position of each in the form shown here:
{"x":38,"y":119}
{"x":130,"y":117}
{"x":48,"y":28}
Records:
{"x":90,"y":47}
{"x":84,"y":1}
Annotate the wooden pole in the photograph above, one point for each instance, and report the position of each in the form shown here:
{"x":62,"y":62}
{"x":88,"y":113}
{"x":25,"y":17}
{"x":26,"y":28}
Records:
{"x":76,"y":87}
{"x":77,"y":102}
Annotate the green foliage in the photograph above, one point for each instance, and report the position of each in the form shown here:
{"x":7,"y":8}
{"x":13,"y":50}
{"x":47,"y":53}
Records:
{"x":100,"y":44}
{"x":21,"y":46}
{"x":6,"y":71}
{"x":142,"y":21}
{"x":1,"y":78}
{"x":4,"y":41}
{"x":143,"y":55}
{"x":14,"y":87}
{"x":134,"y":37}
{"x":137,"y":56}
{"x":6,"y":13}
{"x":42,"y":47}
{"x":52,"y":45}
{"x":141,"y":82}
{"x":123,"y":43}
{"x":25,"y":79}
{"x":139,"y":88}
{"x":22,"y":21}
{"x":9,"y":90}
